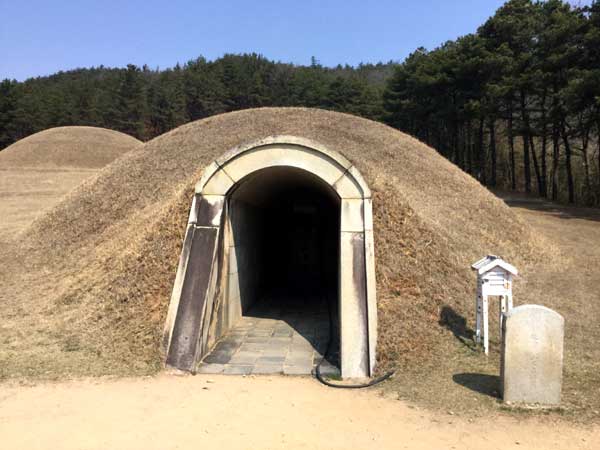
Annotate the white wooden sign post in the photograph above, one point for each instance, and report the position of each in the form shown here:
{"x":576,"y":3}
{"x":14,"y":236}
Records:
{"x":494,"y":278}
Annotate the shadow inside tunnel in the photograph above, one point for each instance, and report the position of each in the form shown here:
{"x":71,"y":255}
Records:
{"x":479,"y":382}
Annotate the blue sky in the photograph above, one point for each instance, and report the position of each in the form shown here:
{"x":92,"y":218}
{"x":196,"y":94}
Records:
{"x":42,"y":37}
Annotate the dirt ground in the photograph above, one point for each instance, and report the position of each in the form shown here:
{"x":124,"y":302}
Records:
{"x":451,"y":403}
{"x":232,"y":412}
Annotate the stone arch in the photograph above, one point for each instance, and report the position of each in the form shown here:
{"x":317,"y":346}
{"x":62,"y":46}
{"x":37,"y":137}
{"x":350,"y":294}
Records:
{"x":187,"y":336}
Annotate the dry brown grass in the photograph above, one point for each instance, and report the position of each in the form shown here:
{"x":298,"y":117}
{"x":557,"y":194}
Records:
{"x":87,"y":288}
{"x":68,"y":147}
{"x":460,"y":379}
{"x":36,"y":172}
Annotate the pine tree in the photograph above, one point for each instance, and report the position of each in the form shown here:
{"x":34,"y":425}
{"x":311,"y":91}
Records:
{"x":8,"y":105}
{"x":131,"y":107}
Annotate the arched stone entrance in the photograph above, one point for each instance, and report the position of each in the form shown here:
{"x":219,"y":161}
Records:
{"x":230,"y":197}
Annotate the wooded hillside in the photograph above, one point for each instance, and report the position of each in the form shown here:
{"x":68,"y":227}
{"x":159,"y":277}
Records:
{"x":146,"y":102}
{"x":516,"y":104}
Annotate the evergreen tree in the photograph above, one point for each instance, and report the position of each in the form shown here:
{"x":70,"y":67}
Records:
{"x":131,"y":107}
{"x":8,"y":105}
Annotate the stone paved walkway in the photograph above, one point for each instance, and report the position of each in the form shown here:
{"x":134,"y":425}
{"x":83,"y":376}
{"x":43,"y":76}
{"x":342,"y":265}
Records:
{"x":274,"y":337}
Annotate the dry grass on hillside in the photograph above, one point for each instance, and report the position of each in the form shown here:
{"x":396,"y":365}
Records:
{"x":68,"y":147}
{"x":88,"y":291}
{"x":461,"y":379}
{"x":36,"y":172}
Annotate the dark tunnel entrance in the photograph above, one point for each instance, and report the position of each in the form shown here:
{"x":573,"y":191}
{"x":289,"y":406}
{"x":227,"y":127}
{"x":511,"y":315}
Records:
{"x":299,"y":237}
{"x":279,"y":230}
{"x":280,"y":308}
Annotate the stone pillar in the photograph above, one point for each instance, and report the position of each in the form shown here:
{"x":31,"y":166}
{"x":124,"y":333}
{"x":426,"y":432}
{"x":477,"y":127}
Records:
{"x":354,"y":337}
{"x":532,"y":355}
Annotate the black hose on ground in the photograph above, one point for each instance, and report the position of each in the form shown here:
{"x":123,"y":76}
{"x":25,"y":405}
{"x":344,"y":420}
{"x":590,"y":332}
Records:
{"x":319,"y":376}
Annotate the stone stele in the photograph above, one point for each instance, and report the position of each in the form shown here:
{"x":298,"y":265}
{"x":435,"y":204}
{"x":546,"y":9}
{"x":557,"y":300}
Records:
{"x":532,"y":356}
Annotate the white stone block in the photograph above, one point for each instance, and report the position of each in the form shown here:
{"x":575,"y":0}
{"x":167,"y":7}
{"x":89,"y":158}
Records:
{"x":532,"y":355}
{"x":347,"y":187}
{"x":233,"y":260}
{"x":353,"y":307}
{"x":284,"y":155}
{"x":371,"y":297}
{"x":368,"y":214}
{"x":364,"y":187}
{"x":233,"y":289}
{"x":351,"y":211}
{"x":193,"y":217}
{"x":218,"y":184}
{"x":283,"y":140}
{"x":207,"y":174}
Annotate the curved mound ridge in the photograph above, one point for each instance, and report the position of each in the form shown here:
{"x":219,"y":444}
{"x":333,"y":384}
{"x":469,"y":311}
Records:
{"x":37,"y":171}
{"x":81,"y":147}
{"x":110,"y":250}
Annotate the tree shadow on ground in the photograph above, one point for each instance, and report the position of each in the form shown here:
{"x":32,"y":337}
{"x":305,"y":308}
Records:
{"x":479,"y":382}
{"x":555,"y":209}
{"x":457,"y":324}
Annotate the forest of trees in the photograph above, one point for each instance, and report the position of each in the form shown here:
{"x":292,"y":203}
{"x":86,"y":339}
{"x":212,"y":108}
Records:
{"x":146,"y":103}
{"x":516,"y":104}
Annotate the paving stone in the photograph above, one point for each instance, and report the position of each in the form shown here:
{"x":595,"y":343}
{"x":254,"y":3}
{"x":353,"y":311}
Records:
{"x":275,"y":351}
{"x":265,"y":369}
{"x":294,"y":348}
{"x":237,"y":340}
{"x":297,"y":370}
{"x":300,"y":337}
{"x":257,"y":340}
{"x":266,"y":360}
{"x":261,"y":331}
{"x":239,"y":331}
{"x":251,"y":347}
{"x":247,"y":354}
{"x":218,"y":358}
{"x":211,"y":368}
{"x":301,"y":352}
{"x":284,"y":333}
{"x":231,"y":369}
{"x":227,"y":346}
{"x":308,"y":363}
{"x":244,"y":358}
{"x":287,"y":333}
{"x":304,"y":338}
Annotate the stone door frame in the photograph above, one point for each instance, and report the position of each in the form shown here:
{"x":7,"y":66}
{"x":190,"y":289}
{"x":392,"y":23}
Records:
{"x":195,"y":286}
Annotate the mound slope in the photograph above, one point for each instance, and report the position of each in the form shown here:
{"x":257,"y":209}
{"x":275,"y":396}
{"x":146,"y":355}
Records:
{"x":109,"y":251}
{"x":63,"y":147}
{"x":37,"y":171}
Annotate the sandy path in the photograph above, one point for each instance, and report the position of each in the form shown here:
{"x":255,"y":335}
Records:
{"x":225,"y":412}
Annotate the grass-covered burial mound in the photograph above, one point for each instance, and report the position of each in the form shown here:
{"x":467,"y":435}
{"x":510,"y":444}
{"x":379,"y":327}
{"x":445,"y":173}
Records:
{"x":86,"y":289}
{"x":37,"y":171}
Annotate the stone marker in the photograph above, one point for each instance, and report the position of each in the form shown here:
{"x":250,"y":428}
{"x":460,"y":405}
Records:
{"x":532,"y":355}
